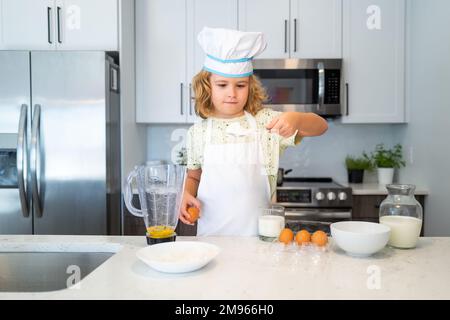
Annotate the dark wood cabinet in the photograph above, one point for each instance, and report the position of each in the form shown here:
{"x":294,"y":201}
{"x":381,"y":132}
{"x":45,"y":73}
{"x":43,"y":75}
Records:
{"x":367,"y":207}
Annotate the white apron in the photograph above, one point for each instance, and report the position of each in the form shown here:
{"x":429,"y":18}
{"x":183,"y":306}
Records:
{"x":234,"y":186}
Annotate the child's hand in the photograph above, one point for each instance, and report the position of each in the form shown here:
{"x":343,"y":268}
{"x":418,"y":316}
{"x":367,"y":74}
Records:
{"x":188,"y":201}
{"x":285,"y":124}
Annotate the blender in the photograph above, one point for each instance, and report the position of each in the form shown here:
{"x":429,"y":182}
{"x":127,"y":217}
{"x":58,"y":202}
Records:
{"x":160,"y":188}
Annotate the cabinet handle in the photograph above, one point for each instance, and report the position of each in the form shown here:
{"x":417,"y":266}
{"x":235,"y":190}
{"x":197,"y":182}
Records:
{"x":181,"y":98}
{"x":49,"y":14}
{"x":295,"y":35}
{"x":346,"y":99}
{"x":190,"y":99}
{"x":59,"y":24}
{"x":285,"y":36}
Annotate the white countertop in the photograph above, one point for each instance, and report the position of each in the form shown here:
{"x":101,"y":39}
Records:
{"x":248,"y":268}
{"x":377,"y":189}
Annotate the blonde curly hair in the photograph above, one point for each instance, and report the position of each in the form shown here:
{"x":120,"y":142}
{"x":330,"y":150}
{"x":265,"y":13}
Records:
{"x":202,"y":90}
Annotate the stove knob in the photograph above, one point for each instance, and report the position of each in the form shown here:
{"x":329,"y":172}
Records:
{"x":342,"y":196}
{"x":320,"y":196}
{"x":331,"y":196}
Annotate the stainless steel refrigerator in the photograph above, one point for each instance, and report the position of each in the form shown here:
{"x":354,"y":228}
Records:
{"x":61,"y":174}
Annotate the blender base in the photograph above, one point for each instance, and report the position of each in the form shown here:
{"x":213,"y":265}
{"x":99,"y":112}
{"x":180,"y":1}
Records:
{"x":151,"y":241}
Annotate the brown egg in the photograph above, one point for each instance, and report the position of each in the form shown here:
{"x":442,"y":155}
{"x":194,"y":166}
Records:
{"x":194,"y":213}
{"x":303,"y":237}
{"x":319,"y":238}
{"x":286,"y":236}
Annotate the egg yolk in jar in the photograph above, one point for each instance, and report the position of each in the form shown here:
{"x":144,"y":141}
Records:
{"x":160,"y":231}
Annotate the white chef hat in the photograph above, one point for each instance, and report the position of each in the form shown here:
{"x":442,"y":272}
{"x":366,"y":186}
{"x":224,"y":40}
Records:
{"x":229,"y":52}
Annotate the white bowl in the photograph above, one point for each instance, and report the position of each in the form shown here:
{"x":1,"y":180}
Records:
{"x":360,"y":238}
{"x":178,"y":256}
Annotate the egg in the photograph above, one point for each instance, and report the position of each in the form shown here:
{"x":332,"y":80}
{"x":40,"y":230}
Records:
{"x":303,"y":237}
{"x":194,"y":214}
{"x":286,"y":236}
{"x":319,"y":238}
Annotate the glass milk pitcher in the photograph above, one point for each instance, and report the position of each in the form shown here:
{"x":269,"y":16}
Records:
{"x":403,"y":214}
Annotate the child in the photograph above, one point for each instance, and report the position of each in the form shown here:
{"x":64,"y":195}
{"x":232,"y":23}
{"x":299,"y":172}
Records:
{"x":231,"y":170}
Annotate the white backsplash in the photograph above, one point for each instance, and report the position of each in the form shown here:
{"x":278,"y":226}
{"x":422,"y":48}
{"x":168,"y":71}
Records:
{"x":321,"y":156}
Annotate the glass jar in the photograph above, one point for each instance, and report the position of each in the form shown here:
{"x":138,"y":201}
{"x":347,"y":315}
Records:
{"x":271,"y":222}
{"x":403,"y":214}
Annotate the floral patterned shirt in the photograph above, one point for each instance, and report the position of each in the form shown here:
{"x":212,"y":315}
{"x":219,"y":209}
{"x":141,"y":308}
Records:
{"x":273,"y":145}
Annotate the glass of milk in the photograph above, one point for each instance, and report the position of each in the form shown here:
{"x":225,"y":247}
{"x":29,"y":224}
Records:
{"x":403,"y":214}
{"x":271,"y":222}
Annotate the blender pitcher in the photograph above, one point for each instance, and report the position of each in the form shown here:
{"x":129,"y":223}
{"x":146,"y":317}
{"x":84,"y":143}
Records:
{"x":160,"y":189}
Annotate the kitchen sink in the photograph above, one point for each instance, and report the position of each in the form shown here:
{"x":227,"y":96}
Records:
{"x":46,"y":271}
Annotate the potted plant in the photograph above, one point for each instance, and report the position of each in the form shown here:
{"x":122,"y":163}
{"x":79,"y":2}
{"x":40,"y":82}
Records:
{"x":356,"y":166}
{"x":386,"y":161}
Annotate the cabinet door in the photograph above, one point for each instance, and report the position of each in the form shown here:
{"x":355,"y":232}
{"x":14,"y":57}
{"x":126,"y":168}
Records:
{"x":271,"y":18}
{"x":201,"y":13}
{"x":28,"y":24}
{"x":316,"y":28}
{"x":161,"y":61}
{"x":373,"y":68}
{"x":1,"y":26}
{"x":87,"y":24}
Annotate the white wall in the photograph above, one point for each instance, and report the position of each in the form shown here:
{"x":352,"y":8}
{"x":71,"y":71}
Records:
{"x":324,"y":156}
{"x":316,"y":156}
{"x":428,"y":97}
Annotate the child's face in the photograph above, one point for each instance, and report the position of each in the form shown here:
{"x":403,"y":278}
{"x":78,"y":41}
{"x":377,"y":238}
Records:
{"x":228,"y":95}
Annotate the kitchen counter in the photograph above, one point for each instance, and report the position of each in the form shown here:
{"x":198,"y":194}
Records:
{"x":377,"y":189}
{"x":248,"y":268}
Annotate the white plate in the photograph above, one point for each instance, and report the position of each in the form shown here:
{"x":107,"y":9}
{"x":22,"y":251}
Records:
{"x":178,"y":256}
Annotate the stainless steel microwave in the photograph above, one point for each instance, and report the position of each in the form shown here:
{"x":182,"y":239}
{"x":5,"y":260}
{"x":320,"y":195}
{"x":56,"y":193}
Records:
{"x":306,"y":85}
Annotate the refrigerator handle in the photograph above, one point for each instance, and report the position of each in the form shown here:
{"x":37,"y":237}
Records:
{"x":34,"y":159}
{"x":21,"y":145}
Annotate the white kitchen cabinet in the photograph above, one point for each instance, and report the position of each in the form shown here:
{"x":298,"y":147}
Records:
{"x":1,"y":30}
{"x":316,"y":29}
{"x":271,"y":18}
{"x":373,"y":61}
{"x":161,"y":61}
{"x":295,"y":28}
{"x":59,"y":24}
{"x":201,"y":13}
{"x":87,"y":25}
{"x":168,"y":54}
{"x":28,"y":24}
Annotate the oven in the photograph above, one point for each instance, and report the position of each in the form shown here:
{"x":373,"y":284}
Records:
{"x":305,"y":85}
{"x":314,"y":203}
